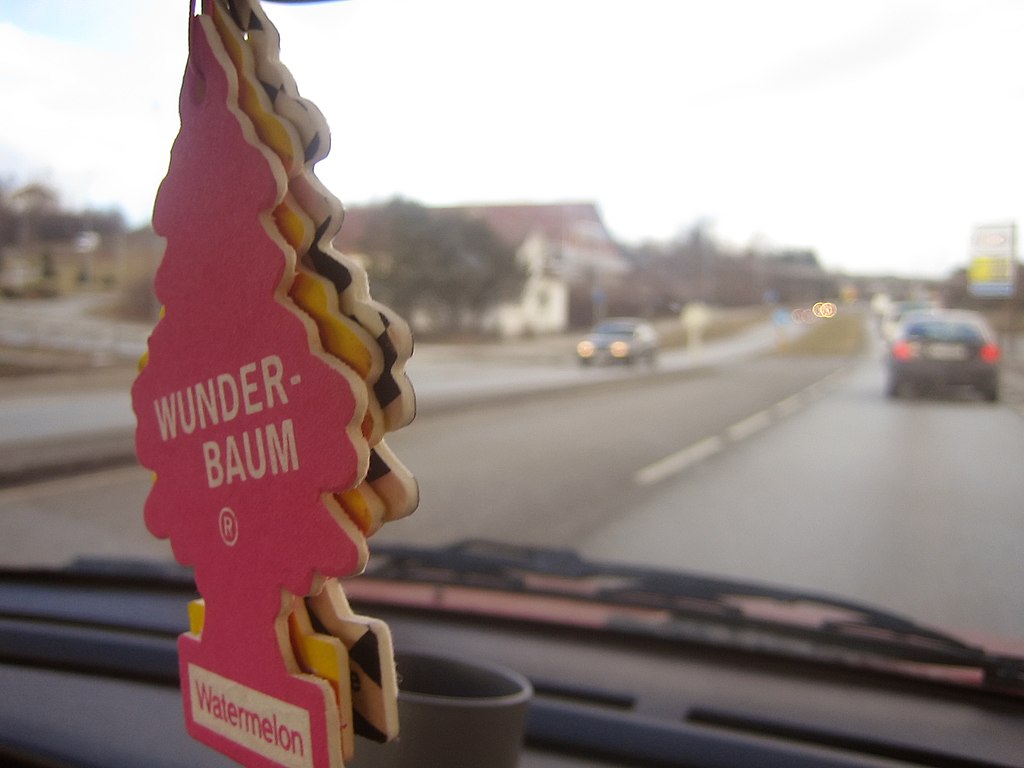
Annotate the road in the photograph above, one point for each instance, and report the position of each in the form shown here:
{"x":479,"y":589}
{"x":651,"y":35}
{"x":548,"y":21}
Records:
{"x":911,"y":505}
{"x":789,"y":470}
{"x":554,"y":469}
{"x":792,"y":470}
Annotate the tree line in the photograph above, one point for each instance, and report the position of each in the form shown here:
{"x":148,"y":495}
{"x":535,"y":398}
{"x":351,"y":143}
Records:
{"x":449,"y":265}
{"x":455,"y":267}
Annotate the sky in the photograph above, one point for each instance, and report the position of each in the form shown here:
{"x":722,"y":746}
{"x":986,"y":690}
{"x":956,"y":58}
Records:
{"x":876,"y":132}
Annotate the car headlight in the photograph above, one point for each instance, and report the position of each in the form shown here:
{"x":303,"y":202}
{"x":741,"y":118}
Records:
{"x":585,"y":348}
{"x":619,"y":349}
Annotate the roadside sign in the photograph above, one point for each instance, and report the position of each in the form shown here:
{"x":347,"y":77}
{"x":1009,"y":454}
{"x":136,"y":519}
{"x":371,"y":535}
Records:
{"x":993,"y":255}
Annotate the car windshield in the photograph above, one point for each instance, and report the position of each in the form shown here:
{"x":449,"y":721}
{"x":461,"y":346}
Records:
{"x":759,"y":183}
{"x":906,"y":307}
{"x":939,"y":330}
{"x":616,"y":328}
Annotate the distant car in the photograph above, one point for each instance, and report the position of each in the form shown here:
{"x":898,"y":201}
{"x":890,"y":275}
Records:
{"x":619,"y":340}
{"x":942,"y":348}
{"x":894,"y":312}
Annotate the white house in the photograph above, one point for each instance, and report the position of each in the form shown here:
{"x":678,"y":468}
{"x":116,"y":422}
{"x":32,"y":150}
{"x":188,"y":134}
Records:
{"x":565,"y":249}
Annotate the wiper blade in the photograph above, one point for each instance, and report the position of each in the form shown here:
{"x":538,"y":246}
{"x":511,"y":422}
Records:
{"x":681,"y":606}
{"x":557,"y":586}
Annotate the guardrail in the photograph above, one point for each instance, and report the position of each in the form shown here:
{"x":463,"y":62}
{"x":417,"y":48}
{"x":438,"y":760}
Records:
{"x":101,"y":340}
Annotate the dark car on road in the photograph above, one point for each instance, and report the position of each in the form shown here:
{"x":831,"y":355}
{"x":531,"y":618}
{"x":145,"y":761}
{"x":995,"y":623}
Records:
{"x":944,"y":348}
{"x":619,"y":340}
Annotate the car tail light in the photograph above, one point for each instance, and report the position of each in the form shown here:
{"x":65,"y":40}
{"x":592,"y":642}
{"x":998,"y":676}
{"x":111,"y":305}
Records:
{"x":990,"y":353}
{"x":903,"y":350}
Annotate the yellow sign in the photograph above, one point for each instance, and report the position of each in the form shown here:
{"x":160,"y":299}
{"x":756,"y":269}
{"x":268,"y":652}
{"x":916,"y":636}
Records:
{"x":993,"y":254}
{"x":989,"y":269}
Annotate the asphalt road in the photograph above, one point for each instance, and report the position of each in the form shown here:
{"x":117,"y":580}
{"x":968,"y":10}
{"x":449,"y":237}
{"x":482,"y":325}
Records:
{"x":554,"y":469}
{"x":541,"y":466}
{"x":794,"y":470}
{"x":913,"y":505}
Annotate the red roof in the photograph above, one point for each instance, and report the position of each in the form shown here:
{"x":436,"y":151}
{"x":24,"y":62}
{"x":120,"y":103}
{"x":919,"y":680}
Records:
{"x":513,"y":222}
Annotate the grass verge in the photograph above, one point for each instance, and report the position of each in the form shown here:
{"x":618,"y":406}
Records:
{"x":843,"y":335}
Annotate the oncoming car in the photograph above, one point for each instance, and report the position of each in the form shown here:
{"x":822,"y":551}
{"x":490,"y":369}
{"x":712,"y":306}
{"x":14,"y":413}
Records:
{"x":619,"y":339}
{"x":944,"y":348}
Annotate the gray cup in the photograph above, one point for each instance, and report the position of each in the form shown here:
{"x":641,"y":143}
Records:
{"x":452,"y":713}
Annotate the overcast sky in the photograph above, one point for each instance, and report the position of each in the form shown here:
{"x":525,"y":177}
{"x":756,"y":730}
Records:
{"x":874,"y":132}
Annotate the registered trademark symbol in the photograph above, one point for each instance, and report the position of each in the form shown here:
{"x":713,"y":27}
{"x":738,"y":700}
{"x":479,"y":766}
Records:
{"x":228,"y":523}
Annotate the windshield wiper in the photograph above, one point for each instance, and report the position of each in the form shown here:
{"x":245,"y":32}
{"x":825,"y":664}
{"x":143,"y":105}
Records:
{"x":558,"y":586}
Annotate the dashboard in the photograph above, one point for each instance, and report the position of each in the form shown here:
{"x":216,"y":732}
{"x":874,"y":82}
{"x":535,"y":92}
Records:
{"x":88,"y":670}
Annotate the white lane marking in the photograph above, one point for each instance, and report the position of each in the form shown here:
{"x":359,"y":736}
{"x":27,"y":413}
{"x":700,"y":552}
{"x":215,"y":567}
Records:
{"x":789,"y":406}
{"x":821,"y":386}
{"x":751,"y":425}
{"x":741,"y":430}
{"x":679,"y":461}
